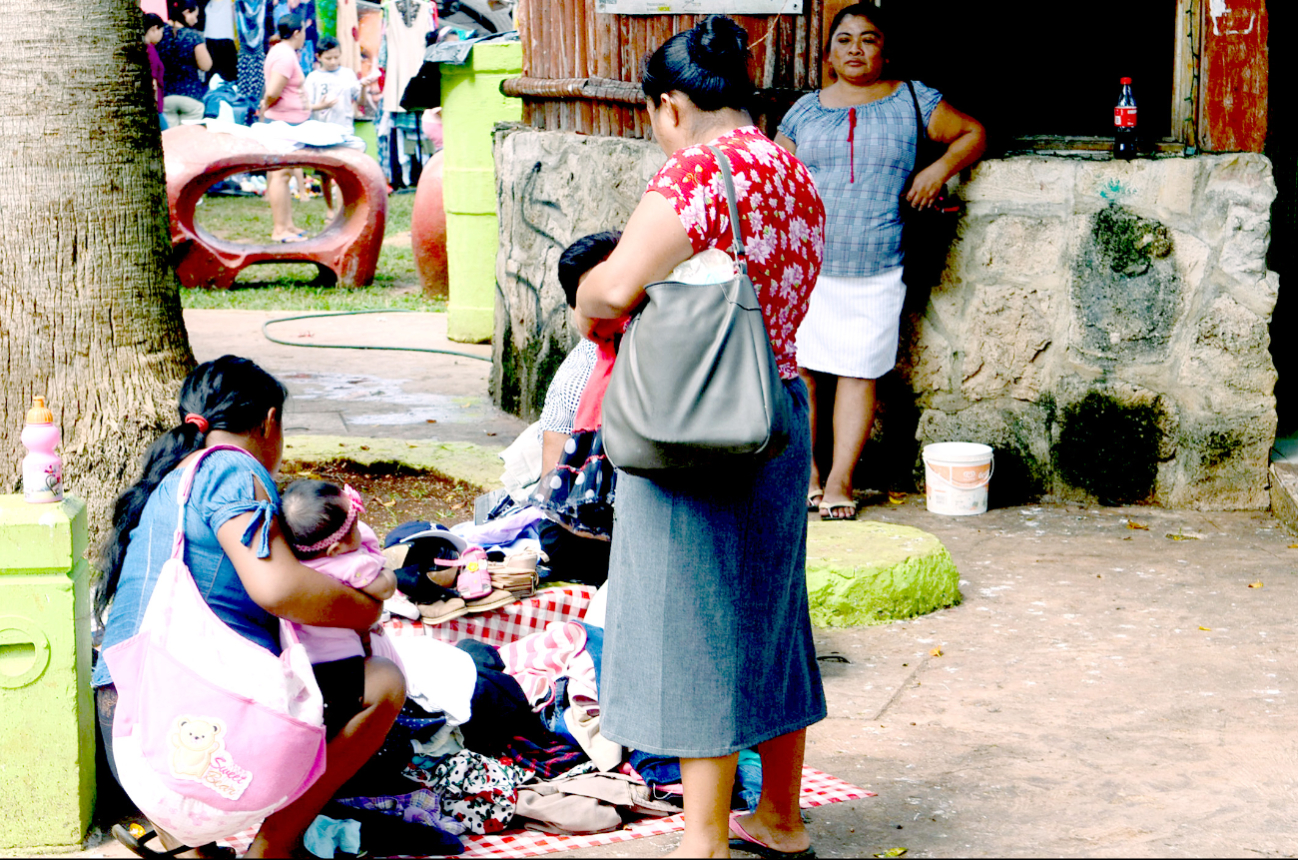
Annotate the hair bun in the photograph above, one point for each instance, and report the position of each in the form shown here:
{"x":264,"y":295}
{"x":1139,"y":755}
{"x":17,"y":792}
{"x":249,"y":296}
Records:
{"x":718,"y":43}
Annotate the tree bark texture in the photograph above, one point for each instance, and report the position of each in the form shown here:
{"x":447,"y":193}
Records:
{"x":89,"y":308}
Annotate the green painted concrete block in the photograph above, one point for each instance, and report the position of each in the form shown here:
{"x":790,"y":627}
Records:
{"x":469,"y":190}
{"x":47,"y":728}
{"x":471,"y":242}
{"x":861,"y":573}
{"x":39,"y":539}
{"x":472,"y":104}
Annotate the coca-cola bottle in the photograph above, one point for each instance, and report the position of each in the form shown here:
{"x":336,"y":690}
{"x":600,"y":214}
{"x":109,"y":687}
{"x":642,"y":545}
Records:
{"x":1124,"y":123}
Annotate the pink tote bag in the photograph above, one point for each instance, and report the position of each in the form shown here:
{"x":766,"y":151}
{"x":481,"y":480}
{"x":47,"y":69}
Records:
{"x":212,"y":732}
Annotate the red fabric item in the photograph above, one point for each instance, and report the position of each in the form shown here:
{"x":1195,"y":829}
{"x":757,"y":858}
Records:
{"x":590,"y":411}
{"x":851,"y":143}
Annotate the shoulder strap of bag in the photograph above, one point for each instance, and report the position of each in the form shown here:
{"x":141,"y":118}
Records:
{"x":737,"y":248}
{"x":182,"y":495}
{"x":921,"y":133}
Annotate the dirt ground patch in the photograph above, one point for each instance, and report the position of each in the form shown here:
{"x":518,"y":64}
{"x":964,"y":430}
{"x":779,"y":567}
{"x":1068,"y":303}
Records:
{"x":393,"y":493}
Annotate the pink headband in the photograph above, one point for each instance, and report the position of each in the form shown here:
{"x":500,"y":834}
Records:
{"x":198,"y":421}
{"x":355,"y":507}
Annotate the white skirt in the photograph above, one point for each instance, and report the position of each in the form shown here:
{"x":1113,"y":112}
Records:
{"x":852,"y":325}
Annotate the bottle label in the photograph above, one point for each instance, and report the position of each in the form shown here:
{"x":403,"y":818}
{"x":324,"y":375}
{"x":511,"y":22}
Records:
{"x":1124,"y":117}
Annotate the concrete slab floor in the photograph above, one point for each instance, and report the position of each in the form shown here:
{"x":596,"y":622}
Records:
{"x":347,"y":392}
{"x":1101,"y":691}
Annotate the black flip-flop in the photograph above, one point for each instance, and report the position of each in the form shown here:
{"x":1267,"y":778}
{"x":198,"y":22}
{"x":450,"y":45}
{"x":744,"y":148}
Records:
{"x":137,"y":846}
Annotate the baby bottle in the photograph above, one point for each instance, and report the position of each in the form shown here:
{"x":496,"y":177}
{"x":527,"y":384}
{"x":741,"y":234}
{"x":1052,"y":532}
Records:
{"x":42,"y":468}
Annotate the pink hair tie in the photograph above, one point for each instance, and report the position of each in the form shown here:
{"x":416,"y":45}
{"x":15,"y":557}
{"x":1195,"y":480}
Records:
{"x":355,"y":507}
{"x":198,"y":421}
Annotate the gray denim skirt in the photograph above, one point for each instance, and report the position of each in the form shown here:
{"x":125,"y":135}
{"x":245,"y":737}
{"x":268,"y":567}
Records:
{"x":708,"y":646}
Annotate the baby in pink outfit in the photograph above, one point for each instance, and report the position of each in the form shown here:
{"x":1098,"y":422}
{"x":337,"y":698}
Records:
{"x":323,"y":525}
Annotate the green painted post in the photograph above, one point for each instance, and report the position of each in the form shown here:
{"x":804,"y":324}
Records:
{"x":472,"y":104}
{"x":47,"y":718}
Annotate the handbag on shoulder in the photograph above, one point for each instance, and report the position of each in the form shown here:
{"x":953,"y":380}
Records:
{"x":212,"y":732}
{"x":696,"y":383}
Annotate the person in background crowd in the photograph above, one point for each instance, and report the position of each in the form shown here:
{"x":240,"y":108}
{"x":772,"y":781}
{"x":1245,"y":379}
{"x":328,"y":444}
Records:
{"x":154,"y":28}
{"x":218,"y":30}
{"x":185,"y":59}
{"x":284,"y":101}
{"x":858,"y":137}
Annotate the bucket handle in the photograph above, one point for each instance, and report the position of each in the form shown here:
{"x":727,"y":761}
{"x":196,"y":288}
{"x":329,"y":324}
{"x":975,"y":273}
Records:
{"x":991,"y":467}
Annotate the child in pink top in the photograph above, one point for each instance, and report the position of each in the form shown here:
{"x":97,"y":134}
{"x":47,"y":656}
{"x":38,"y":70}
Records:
{"x":323,"y":525}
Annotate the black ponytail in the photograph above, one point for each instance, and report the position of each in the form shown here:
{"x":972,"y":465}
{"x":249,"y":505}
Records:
{"x":708,"y":63}
{"x":230,"y":393}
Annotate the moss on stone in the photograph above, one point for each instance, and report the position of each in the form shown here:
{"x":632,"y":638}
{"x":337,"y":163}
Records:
{"x":1110,"y":449}
{"x":861,"y":573}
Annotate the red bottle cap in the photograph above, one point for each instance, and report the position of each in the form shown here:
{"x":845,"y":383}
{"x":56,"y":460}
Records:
{"x":1125,"y":81}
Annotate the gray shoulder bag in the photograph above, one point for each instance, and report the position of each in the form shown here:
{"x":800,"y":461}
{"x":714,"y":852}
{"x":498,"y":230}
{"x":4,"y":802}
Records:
{"x":696,"y":382}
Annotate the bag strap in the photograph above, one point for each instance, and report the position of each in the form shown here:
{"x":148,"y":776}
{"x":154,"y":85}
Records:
{"x":921,"y":133}
{"x":737,"y":248}
{"x":182,"y":495}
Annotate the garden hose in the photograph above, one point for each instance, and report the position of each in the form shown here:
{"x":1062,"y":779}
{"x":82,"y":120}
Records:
{"x":268,"y":323}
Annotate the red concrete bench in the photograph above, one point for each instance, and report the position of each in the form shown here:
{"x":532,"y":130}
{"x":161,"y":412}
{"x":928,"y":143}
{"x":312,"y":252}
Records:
{"x":196,"y":159}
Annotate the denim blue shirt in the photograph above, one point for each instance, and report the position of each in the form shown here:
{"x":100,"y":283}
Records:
{"x":860,"y":158}
{"x":223,"y":489}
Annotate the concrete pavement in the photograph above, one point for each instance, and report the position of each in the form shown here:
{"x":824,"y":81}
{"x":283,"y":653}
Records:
{"x":347,"y":392}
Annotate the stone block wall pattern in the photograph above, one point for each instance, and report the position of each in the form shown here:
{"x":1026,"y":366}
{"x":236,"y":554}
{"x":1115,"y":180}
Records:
{"x":471,"y":106}
{"x":47,"y":718}
{"x":552,"y":188}
{"x":1086,"y":308}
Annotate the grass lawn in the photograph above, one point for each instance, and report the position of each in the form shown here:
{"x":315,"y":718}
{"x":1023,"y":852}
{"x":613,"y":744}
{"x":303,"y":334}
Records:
{"x":289,"y":286}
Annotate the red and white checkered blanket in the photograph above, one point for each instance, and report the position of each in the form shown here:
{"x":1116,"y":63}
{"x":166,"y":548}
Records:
{"x":508,"y":623}
{"x":818,"y":789}
{"x":502,"y":626}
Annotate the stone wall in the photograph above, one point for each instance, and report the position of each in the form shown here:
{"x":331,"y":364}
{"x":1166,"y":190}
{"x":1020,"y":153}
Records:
{"x":1101,"y":324}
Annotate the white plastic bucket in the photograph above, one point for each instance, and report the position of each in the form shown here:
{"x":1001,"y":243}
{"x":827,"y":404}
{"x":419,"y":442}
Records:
{"x":956,"y":475}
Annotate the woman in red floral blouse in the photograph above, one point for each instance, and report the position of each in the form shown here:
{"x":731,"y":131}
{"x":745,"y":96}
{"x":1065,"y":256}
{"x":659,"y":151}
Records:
{"x":708,"y":648}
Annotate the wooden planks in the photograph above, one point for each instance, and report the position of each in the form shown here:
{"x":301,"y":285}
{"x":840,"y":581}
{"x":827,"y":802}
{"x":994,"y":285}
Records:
{"x":567,"y":40}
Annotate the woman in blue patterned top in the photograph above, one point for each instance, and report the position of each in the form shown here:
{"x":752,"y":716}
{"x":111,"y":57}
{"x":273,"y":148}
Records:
{"x":858,"y":138}
{"x":241,"y":562}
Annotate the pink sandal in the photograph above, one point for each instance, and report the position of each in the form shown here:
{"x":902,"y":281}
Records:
{"x":745,"y":842}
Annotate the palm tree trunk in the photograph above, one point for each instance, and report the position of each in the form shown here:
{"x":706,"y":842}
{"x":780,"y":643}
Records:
{"x":89,"y":307}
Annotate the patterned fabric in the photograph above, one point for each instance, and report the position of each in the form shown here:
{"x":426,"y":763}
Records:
{"x":422,"y":807}
{"x":548,"y":761}
{"x":818,"y":789}
{"x":502,"y":626}
{"x":536,"y":661}
{"x":860,"y":158}
{"x":182,"y":75}
{"x":579,"y":492}
{"x":252,"y":74}
{"x":783,"y":229}
{"x":564,"y":394}
{"x":479,"y":792}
